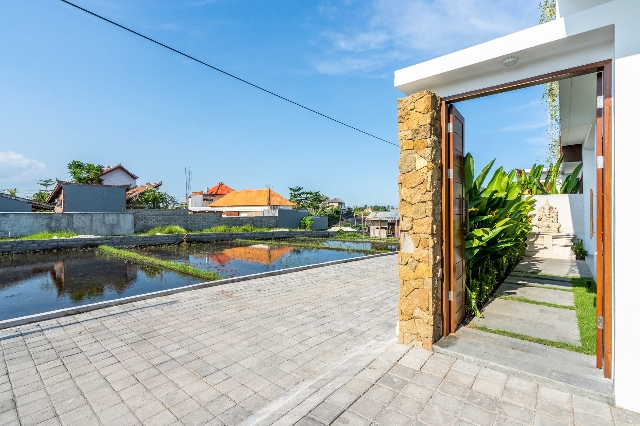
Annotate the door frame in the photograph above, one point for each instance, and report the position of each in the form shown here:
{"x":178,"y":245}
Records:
{"x":604,"y":147}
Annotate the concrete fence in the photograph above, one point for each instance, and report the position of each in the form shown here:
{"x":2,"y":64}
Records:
{"x":26,"y":246}
{"x":127,"y":223}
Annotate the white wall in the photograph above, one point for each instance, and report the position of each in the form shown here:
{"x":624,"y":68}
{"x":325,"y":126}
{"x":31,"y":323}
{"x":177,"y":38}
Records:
{"x":626,"y":149}
{"x":570,"y":212}
{"x":118,"y":177}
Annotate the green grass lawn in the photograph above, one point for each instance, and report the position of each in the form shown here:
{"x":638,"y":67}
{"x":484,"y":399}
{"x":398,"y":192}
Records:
{"x":158,"y":263}
{"x":44,"y":235}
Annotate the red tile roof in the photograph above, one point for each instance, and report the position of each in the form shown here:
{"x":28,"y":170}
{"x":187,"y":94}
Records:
{"x":220,"y":189}
{"x":140,"y":189}
{"x":252,"y":197}
{"x":118,"y":166}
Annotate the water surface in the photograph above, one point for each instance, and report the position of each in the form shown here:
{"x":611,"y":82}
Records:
{"x":36,"y":283}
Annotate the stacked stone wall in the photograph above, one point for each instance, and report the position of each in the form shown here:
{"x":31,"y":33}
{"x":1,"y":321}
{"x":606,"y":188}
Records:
{"x":420,"y":190}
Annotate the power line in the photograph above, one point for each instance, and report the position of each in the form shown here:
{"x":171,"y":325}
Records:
{"x":224,"y":72}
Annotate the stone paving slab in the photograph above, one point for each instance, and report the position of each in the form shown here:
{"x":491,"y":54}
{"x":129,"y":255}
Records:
{"x":310,"y":347}
{"x":556,"y":297}
{"x":413,"y":386}
{"x":557,"y":285}
{"x":561,"y":267}
{"x":544,"y":322}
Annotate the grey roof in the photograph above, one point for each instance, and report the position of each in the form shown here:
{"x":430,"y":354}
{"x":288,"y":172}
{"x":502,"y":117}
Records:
{"x":389,"y":216}
{"x":26,"y":200}
{"x":335,"y":200}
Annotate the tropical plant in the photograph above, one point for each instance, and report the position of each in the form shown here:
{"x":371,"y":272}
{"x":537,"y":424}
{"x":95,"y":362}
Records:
{"x":578,"y":249}
{"x":46,"y":183}
{"x":530,"y":183}
{"x":307,"y":200}
{"x":152,"y":198}
{"x":306,"y":222}
{"x":86,"y":173}
{"x":41,"y":196}
{"x":499,"y":222}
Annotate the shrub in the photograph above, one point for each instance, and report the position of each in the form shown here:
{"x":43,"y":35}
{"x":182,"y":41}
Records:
{"x":243,"y":228}
{"x":579,"y":250}
{"x":306,"y":222}
{"x":499,"y":222}
{"x":169,"y":229}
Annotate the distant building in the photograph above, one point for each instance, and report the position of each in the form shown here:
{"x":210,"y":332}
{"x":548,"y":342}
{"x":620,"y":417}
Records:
{"x":13,"y":204}
{"x":118,"y":175}
{"x":202,"y":199}
{"x":252,"y":202}
{"x":81,"y":198}
{"x":384,"y":224}
{"x":337,"y":202}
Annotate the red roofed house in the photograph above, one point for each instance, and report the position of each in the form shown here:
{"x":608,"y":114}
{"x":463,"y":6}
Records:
{"x":252,"y":202}
{"x":204,"y":198}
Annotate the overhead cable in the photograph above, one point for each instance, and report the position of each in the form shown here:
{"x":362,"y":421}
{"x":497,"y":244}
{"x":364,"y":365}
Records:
{"x":223,"y":72}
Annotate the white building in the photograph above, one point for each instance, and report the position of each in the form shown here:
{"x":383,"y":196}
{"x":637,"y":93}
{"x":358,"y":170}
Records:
{"x":118,"y":175}
{"x":593,"y":48}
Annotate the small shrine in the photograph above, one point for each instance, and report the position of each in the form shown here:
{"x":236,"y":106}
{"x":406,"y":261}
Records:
{"x":548,"y":219}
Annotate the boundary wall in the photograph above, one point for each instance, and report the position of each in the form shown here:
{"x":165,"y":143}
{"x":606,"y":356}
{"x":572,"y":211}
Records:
{"x":26,"y":246}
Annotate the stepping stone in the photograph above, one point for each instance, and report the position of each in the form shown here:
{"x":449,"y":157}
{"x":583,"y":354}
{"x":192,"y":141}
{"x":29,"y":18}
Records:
{"x":559,"y":285}
{"x":562,"y":267}
{"x":564,"y":298}
{"x":557,"y":324}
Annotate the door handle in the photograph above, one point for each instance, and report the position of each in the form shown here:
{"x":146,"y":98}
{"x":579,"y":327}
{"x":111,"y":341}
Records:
{"x":591,"y":231}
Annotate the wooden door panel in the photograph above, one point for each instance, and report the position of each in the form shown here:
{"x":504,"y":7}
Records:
{"x":456,"y":217}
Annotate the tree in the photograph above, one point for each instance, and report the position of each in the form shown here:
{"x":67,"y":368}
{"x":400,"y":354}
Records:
{"x":46,"y":183}
{"x":154,"y":199}
{"x":12,"y":191}
{"x":85,"y":172}
{"x":307,"y":200}
{"x":41,"y":196}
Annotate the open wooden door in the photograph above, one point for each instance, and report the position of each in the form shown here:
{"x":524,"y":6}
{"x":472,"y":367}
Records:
{"x":455,"y":219}
{"x":604,"y":214}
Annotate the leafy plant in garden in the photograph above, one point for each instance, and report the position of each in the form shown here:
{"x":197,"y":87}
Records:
{"x":499,"y":222}
{"x":530,"y":183}
{"x":579,"y":250}
{"x":86,"y":173}
{"x":306,"y":222}
{"x":153,"y":199}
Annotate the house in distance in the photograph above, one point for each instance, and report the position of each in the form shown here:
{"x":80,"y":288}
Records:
{"x":252,"y":202}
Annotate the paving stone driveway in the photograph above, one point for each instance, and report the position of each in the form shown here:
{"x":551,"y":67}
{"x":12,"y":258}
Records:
{"x":310,"y":347}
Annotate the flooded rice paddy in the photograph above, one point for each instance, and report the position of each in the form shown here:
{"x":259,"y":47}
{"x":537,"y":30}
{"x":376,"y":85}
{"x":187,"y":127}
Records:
{"x":36,"y":283}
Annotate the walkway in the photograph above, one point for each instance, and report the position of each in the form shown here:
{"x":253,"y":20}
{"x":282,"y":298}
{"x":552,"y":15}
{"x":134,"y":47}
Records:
{"x":308,"y":348}
{"x":514,"y":311}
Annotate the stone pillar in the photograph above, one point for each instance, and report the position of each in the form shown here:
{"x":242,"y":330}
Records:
{"x":420,"y":187}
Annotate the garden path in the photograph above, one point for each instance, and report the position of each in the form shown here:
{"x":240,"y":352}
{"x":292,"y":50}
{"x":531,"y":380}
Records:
{"x":534,"y":305}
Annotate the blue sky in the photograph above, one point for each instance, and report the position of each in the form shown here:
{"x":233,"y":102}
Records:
{"x":75,"y":88}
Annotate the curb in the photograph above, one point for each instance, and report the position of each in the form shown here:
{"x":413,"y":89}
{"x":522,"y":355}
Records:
{"x":14,"y":322}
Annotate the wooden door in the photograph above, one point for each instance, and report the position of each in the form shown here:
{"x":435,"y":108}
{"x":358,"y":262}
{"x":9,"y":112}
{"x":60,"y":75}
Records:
{"x":456,"y":217}
{"x":604,"y":215}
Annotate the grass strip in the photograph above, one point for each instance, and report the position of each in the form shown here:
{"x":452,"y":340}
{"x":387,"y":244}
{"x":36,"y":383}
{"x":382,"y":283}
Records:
{"x":535,"y":302}
{"x":311,"y":246}
{"x":153,"y":262}
{"x":552,"y":343}
{"x":550,"y":277}
{"x":584,"y":298}
{"x":570,"y":290}
{"x":44,"y":235}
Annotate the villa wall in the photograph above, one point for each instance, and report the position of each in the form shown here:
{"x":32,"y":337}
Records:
{"x":419,"y":184}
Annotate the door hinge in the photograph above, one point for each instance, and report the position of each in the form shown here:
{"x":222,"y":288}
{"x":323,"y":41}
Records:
{"x":600,"y":322}
{"x":450,"y":173}
{"x":449,"y":127}
{"x":450,"y":295}
{"x":600,"y":162}
{"x":600,"y":102}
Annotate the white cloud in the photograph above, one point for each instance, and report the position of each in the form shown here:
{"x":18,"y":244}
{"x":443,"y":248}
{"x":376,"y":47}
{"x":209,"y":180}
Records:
{"x":391,"y":30}
{"x":16,"y":168}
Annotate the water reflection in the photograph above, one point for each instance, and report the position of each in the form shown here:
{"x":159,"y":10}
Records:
{"x":42,"y":282}
{"x":231,"y":259}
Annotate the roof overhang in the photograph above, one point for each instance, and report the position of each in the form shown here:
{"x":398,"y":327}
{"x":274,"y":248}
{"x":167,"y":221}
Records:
{"x":580,"y":39}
